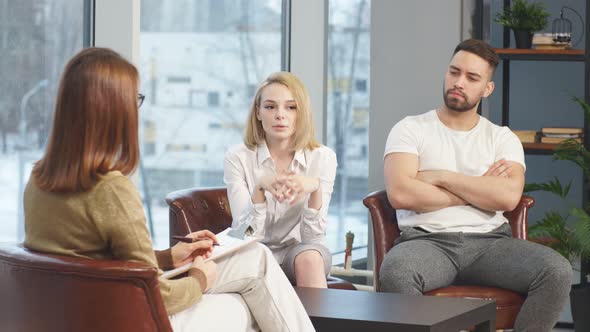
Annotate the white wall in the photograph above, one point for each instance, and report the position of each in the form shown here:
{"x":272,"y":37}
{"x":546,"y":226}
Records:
{"x":309,"y":50}
{"x":411,"y":45}
{"x":117,"y":27}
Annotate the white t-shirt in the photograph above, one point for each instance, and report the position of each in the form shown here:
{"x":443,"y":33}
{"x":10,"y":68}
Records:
{"x":467,"y":152}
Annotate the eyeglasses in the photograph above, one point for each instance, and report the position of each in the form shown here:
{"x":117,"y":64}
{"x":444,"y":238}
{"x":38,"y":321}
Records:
{"x":140,"y":99}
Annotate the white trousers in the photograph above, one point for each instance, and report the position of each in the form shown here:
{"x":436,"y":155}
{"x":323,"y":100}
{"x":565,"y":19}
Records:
{"x":266,"y":298}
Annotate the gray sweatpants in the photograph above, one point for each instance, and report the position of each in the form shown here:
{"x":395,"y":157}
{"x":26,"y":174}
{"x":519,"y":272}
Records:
{"x":422,"y":261}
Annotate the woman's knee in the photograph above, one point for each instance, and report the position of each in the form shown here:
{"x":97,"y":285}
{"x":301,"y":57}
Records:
{"x":309,"y":259}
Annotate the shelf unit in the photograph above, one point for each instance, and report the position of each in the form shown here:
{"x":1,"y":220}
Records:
{"x":539,"y":148}
{"x":507,"y":55}
{"x":511,"y":54}
{"x":570,"y":55}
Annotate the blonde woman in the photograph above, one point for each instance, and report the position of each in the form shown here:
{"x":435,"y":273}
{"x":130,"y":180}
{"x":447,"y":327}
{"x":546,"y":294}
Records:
{"x":280,"y":180}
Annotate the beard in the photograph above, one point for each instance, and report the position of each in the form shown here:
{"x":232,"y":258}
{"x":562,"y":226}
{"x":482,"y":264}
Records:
{"x":456,"y":104}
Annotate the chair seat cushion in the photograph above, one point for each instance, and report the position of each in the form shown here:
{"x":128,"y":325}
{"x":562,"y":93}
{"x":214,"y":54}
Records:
{"x":508,"y":303}
{"x":503,"y":297}
{"x":338,"y":283}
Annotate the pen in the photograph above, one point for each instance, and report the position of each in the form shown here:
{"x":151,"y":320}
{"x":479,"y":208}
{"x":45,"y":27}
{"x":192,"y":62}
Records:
{"x":191,"y":239}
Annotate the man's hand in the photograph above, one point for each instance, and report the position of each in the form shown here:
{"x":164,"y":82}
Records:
{"x":499,"y":168}
{"x":183,"y":253}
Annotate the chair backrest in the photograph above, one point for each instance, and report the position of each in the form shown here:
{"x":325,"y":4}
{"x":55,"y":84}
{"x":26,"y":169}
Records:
{"x":195,"y":209}
{"x":386,"y":230}
{"x":208,"y":208}
{"x":42,"y":292}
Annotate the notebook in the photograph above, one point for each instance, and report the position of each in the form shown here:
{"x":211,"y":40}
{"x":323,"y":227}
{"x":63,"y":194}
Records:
{"x":227,"y":245}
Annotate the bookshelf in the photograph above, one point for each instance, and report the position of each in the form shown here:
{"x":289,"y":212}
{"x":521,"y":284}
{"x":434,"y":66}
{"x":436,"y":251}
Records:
{"x":539,"y":148}
{"x":540,"y":55}
{"x":481,"y":29}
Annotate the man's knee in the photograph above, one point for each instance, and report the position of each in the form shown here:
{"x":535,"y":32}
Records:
{"x":559,"y":272}
{"x":399,"y":276}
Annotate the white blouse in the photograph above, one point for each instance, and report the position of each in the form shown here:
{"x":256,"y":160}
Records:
{"x":280,"y":224}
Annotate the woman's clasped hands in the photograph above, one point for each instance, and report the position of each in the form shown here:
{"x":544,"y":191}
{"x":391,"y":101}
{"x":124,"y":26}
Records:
{"x":286,"y":186}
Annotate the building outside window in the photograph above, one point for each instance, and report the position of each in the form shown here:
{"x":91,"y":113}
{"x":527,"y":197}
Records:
{"x":348,"y":119}
{"x":223,"y":49}
{"x":37,"y":38}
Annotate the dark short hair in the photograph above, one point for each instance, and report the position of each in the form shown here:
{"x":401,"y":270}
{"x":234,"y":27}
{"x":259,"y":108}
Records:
{"x":481,"y":49}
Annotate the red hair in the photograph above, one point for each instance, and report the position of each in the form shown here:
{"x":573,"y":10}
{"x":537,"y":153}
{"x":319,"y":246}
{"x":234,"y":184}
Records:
{"x":95,"y":125}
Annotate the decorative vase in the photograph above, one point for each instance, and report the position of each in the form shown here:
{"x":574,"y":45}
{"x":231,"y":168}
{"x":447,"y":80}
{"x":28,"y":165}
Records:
{"x":523,"y":39}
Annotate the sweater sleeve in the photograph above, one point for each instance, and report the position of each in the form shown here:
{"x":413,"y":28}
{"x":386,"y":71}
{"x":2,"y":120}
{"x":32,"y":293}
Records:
{"x":164,"y":258}
{"x":119,"y":217}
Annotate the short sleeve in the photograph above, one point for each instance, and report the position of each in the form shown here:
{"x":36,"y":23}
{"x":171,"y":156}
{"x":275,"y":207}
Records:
{"x":403,"y":137}
{"x":509,"y":147}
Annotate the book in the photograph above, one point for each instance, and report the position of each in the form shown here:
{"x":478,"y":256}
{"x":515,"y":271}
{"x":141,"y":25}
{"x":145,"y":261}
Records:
{"x":557,"y":140}
{"x":561,"y":130}
{"x":526,"y":136}
{"x":227,"y":245}
{"x":563,"y":135}
{"x":545,"y":41}
{"x":556,"y":46}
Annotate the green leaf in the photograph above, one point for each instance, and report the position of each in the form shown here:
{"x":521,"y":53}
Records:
{"x":575,"y":152}
{"x":584,"y":105}
{"x":581,"y":233}
{"x":554,"y":226}
{"x":553,"y":186}
{"x":524,"y":16}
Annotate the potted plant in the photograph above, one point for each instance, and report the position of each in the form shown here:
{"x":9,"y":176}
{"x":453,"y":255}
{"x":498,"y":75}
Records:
{"x":524,"y":19}
{"x":569,"y":234}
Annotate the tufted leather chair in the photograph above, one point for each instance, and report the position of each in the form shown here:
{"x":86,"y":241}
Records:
{"x":208,"y":208}
{"x":386,"y":230}
{"x":43,"y":292}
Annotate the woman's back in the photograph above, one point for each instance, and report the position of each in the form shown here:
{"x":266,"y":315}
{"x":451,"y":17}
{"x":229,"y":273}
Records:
{"x":85,"y":224}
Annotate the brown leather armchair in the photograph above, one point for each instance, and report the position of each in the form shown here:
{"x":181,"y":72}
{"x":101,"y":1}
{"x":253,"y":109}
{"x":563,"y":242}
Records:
{"x":386,"y":230}
{"x":42,"y":292}
{"x":208,"y":208}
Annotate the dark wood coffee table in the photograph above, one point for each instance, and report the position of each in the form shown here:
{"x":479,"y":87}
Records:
{"x":345,"y":310}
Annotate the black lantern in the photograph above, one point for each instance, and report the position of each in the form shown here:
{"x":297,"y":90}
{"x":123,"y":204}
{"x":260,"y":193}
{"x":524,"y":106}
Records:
{"x":561,"y":29}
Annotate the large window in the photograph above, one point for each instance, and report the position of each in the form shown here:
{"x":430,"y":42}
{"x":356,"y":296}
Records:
{"x":348,"y":118}
{"x":201,"y":61}
{"x":37,"y":37}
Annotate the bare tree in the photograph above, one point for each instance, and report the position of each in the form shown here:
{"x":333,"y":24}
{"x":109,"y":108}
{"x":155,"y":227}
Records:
{"x":36,"y":38}
{"x":342,"y":98}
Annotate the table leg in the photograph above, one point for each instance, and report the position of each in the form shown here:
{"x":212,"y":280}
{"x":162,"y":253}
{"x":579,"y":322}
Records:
{"x":487,"y":326}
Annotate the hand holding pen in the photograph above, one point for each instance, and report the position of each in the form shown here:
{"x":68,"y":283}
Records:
{"x":201,"y":244}
{"x":187,"y":239}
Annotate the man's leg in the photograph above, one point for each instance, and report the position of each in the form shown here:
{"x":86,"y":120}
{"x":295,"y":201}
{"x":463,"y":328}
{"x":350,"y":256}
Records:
{"x":528,"y":268}
{"x":420,"y":263}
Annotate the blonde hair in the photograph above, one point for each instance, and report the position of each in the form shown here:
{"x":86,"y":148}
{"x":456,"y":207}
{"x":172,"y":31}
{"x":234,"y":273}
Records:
{"x":304,"y":136}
